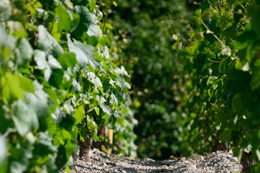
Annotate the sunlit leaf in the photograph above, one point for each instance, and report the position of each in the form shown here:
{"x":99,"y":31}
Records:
{"x":23,"y":118}
{"x":87,"y":23}
{"x":3,"y":151}
{"x":79,"y":114}
{"x":11,"y":87}
{"x":67,"y":60}
{"x":24,"y":51}
{"x":5,"y":10}
{"x":84,"y":53}
{"x":38,"y":103}
{"x":47,"y":43}
{"x":64,"y":19}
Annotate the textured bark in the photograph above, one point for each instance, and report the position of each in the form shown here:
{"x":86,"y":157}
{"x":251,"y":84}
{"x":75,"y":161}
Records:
{"x":86,"y":145}
{"x":101,"y":131}
{"x":245,"y":162}
{"x":85,"y":148}
{"x":217,"y":146}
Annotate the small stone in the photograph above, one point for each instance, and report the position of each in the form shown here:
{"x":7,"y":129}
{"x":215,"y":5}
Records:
{"x":192,"y":167}
{"x":172,"y":158}
{"x":166,"y":162}
{"x":197,"y":157}
{"x":148,"y":159}
{"x":77,"y":169}
{"x":201,"y":165}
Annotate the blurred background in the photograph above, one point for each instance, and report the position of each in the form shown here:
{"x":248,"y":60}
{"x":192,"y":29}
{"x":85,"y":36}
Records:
{"x":150,"y":38}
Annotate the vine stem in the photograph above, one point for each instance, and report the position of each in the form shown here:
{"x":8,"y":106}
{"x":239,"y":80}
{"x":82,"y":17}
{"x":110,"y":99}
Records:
{"x":212,"y":33}
{"x":214,"y":61}
{"x":53,"y":22}
{"x":242,"y":6}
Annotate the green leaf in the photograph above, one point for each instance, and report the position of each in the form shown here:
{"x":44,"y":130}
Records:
{"x":47,"y":43}
{"x":93,"y":41}
{"x":237,"y":105}
{"x":76,"y":85}
{"x":5,"y":10}
{"x":105,"y":108}
{"x":92,"y":5}
{"x":105,"y":52}
{"x":24,"y":51}
{"x":84,"y":53}
{"x":56,"y":78}
{"x":92,"y":125}
{"x":94,"y":79}
{"x":96,"y":110}
{"x":53,"y":63}
{"x":38,"y":103}
{"x":20,"y":157}
{"x":248,"y":148}
{"x":258,"y":154}
{"x":61,"y":158}
{"x":25,"y":83}
{"x":40,"y":58}
{"x":113,"y":99}
{"x":65,"y":120}
{"x":17,"y":29}
{"x":6,"y":39}
{"x":44,"y":146}
{"x":64,"y":19}
{"x":104,"y":149}
{"x":3,"y":151}
{"x":225,"y":136}
{"x":11,"y":87}
{"x":6,"y":122}
{"x":255,"y":81}
{"x":87,"y":23}
{"x":122,"y":83}
{"x":80,"y":2}
{"x":23,"y":118}
{"x":254,"y":13}
{"x":67,"y":60}
{"x":48,"y":66}
{"x":79,"y":114}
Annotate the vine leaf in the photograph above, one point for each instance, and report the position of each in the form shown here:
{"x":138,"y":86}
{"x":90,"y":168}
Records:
{"x":23,"y":51}
{"x":79,"y":114}
{"x":48,"y":44}
{"x":44,"y":145}
{"x":3,"y":150}
{"x":67,"y":60}
{"x":61,"y":158}
{"x":23,"y":118}
{"x":38,"y":103}
{"x":94,"y":79}
{"x":64,"y":18}
{"x":254,"y":13}
{"x":87,"y":23}
{"x":49,"y":66}
{"x":5,"y":10}
{"x":84,"y":53}
{"x":11,"y":87}
{"x":255,"y":81}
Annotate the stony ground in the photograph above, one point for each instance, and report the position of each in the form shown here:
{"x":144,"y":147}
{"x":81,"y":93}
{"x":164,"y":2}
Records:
{"x":216,"y":162}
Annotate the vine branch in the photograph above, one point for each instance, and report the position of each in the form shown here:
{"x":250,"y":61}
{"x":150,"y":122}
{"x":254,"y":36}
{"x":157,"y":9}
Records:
{"x":212,"y":33}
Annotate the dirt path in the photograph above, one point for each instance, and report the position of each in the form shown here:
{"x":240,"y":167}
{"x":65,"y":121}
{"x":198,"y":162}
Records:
{"x":215,"y":162}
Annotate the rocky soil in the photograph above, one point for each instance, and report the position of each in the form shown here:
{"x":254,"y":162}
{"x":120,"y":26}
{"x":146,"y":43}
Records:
{"x":215,"y":162}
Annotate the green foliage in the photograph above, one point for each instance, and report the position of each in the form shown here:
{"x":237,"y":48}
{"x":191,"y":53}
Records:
{"x":195,"y":79}
{"x":55,"y":72}
{"x":147,"y":35}
{"x":224,"y":100}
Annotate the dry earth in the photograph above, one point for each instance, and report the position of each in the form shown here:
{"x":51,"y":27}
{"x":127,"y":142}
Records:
{"x":215,"y":162}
